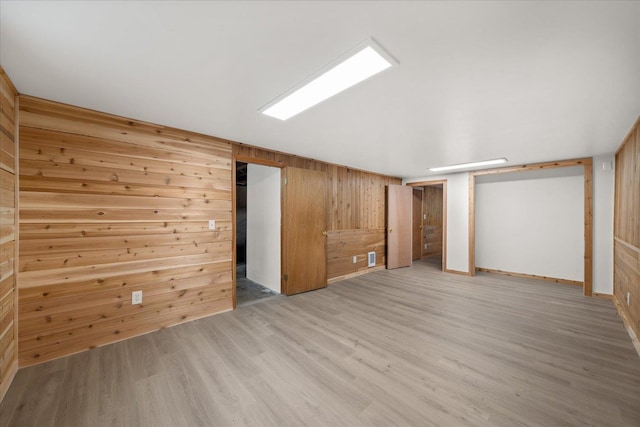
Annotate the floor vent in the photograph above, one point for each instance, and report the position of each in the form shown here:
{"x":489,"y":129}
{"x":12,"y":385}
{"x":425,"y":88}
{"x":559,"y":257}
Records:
{"x":371,"y":257}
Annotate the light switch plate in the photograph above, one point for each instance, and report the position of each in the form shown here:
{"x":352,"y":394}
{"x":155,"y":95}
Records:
{"x":212,"y":224}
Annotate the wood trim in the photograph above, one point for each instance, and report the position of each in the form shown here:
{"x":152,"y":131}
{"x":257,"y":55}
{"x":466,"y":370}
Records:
{"x":588,"y":228}
{"x":635,"y":126}
{"x":603,"y":296}
{"x":627,"y":324}
{"x":356,"y":274}
{"x":234,"y":249}
{"x":244,"y":159}
{"x":240,"y":145}
{"x":534,"y":166}
{"x":531,"y":276}
{"x":472,"y":225}
{"x":444,"y":225}
{"x":258,"y":161}
{"x":284,"y":288}
{"x":9,"y":82}
{"x":11,"y":373}
{"x":16,"y":282}
{"x":587,"y":164}
{"x":426,"y":183}
{"x":628,"y":245}
{"x":442,"y":182}
{"x":462,"y":273}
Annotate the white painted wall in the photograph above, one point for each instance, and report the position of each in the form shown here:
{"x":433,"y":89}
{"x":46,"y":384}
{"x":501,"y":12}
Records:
{"x":532,"y":222}
{"x":603,"y":186}
{"x":457,"y":219}
{"x":263,"y":225}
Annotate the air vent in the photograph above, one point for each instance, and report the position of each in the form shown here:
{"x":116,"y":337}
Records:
{"x":371,"y":256}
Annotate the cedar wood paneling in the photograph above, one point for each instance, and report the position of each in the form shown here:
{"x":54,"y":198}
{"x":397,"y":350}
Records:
{"x":356,"y":209}
{"x":110,"y":205}
{"x":8,"y":293}
{"x":432,"y":224}
{"x":627,"y":228}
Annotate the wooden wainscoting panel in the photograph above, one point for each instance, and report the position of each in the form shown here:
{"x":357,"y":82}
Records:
{"x":343,"y":245}
{"x":356,"y":202}
{"x":627,"y":281}
{"x":108,"y":206}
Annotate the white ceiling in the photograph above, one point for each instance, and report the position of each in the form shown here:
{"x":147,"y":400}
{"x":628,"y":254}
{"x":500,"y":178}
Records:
{"x":530,"y":81}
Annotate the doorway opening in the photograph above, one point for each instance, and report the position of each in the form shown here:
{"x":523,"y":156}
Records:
{"x":258,"y":234}
{"x":430,"y":223}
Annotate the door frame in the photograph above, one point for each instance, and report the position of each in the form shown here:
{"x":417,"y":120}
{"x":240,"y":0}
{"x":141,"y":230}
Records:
{"x":263,"y":162}
{"x":435,"y":183}
{"x":421,"y":234}
{"x":587,"y":164}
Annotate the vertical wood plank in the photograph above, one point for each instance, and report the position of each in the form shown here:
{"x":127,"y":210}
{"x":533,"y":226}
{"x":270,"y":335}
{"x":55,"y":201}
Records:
{"x":588,"y":228}
{"x":9,"y":185}
{"x":355,"y":201}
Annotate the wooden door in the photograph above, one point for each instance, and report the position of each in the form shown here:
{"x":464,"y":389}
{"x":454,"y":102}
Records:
{"x":417,"y":224}
{"x":399,"y":224}
{"x":304,"y":234}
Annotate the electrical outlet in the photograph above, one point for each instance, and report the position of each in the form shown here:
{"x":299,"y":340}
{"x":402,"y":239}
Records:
{"x":425,"y":246}
{"x":355,"y":259}
{"x":136,"y":297}
{"x":212,"y":224}
{"x":628,"y":298}
{"x":424,"y":216}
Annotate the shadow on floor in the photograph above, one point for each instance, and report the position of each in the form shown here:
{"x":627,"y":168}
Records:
{"x":249,"y":292}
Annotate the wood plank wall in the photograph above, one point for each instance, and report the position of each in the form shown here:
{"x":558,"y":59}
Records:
{"x":8,"y":216}
{"x":356,"y":209}
{"x":627,"y":228}
{"x":108,"y":206}
{"x":432,"y":224}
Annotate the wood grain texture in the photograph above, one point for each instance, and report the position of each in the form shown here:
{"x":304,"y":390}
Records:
{"x":432,"y":225}
{"x":626,"y":249}
{"x":8,"y":233}
{"x":355,"y":199}
{"x":355,"y":202}
{"x":305,"y":242}
{"x":416,"y":228}
{"x":108,"y":206}
{"x":343,"y":245}
{"x":399,"y":212}
{"x":407,"y":347}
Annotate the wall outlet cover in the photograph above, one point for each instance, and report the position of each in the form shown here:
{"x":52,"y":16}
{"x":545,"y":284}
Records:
{"x":212,"y":224}
{"x":136,"y":297}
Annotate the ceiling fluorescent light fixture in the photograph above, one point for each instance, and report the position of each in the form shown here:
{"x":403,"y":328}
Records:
{"x":469,"y":165}
{"x":364,"y":61}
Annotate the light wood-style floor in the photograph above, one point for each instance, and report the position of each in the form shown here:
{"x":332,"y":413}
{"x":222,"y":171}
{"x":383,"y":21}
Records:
{"x":412,"y":346}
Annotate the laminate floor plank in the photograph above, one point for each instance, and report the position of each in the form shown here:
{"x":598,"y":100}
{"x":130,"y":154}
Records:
{"x":406,"y":347}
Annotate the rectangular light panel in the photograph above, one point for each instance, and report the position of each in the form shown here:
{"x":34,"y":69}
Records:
{"x":469,"y":165}
{"x":362,"y":62}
